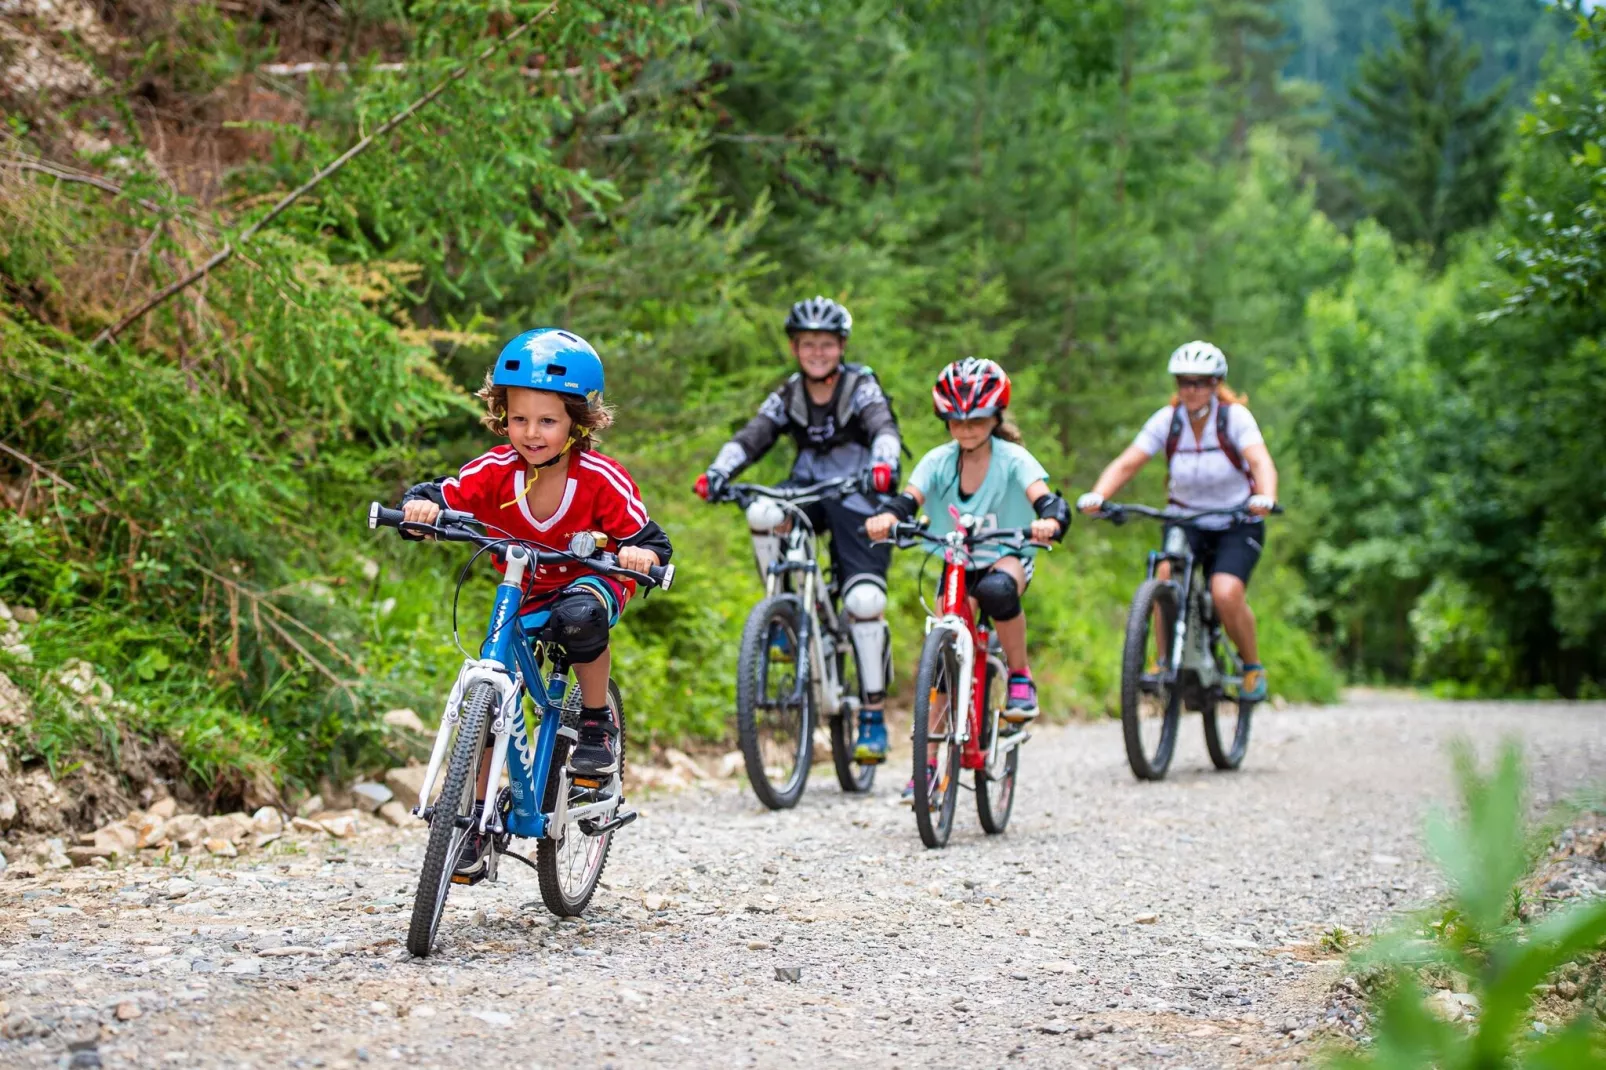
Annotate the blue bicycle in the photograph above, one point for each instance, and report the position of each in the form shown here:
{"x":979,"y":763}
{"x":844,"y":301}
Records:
{"x":573,"y":826}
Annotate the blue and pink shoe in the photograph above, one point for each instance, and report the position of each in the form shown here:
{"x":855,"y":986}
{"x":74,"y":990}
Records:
{"x":1021,"y":704}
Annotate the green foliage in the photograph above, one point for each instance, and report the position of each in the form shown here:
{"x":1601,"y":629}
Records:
{"x":1428,"y":150}
{"x":1484,"y":854}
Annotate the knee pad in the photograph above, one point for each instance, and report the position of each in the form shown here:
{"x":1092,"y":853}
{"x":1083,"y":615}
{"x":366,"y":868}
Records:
{"x":998,"y":596}
{"x":579,"y":625}
{"x":864,"y":602}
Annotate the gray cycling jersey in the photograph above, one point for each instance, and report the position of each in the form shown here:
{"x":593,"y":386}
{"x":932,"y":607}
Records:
{"x":839,"y":439}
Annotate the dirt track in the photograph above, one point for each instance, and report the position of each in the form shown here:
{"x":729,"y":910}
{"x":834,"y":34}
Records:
{"x":1116,"y":924}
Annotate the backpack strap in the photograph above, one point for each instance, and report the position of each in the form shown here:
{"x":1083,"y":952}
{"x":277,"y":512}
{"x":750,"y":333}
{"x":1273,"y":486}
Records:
{"x":1224,"y":440}
{"x":1174,"y":437}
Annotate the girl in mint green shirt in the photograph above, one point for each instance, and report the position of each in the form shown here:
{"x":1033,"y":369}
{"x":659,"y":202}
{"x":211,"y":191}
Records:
{"x":985,"y":471}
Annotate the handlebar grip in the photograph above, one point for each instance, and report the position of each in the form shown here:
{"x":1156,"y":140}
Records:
{"x":379,"y":516}
{"x":663,"y":576}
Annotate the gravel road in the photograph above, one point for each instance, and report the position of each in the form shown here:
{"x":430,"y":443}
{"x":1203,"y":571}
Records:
{"x":1115,"y":924}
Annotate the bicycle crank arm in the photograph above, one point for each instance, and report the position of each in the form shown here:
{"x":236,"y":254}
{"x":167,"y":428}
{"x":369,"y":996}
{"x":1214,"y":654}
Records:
{"x":1013,"y":741}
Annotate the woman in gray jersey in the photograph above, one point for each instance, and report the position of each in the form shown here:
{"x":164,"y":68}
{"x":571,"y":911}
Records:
{"x":1217,"y":459}
{"x":843,"y":426}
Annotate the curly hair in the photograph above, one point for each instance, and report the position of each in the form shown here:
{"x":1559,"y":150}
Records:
{"x":1007,"y":430}
{"x":589,"y":420}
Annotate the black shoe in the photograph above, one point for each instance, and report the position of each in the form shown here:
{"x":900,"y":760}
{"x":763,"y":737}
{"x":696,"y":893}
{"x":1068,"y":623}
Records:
{"x":593,"y":758}
{"x":473,"y":860}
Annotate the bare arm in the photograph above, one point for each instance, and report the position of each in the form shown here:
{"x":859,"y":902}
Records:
{"x":1119,"y":471}
{"x":1262,"y":470}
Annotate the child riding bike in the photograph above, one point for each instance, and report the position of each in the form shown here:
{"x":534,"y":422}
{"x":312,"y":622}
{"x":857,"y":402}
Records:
{"x":843,"y":425}
{"x":985,"y":471}
{"x":544,"y":394}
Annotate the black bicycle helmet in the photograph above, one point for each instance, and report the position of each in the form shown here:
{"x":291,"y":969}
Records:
{"x":819,"y":314}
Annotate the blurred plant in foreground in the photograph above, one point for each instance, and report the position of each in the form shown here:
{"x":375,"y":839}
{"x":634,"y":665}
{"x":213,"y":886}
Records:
{"x":1479,"y":937}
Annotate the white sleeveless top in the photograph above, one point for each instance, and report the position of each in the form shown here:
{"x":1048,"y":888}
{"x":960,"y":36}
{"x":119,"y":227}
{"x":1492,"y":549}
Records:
{"x":1202,"y":476}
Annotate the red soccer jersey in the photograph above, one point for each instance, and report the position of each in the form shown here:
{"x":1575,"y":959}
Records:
{"x":599,"y":496}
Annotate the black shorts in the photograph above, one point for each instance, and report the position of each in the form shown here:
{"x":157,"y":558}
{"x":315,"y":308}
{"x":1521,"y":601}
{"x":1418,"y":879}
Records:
{"x":1233,"y":550}
{"x":852,"y":555}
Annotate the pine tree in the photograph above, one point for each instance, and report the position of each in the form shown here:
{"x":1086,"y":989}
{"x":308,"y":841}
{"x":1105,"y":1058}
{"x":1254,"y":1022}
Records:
{"x":1429,"y":152}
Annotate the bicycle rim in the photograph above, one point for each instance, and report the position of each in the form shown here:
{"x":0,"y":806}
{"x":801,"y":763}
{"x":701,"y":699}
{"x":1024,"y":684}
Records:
{"x":995,"y":798}
{"x":456,"y":800}
{"x":774,"y":717}
{"x":936,"y":730}
{"x":1151,"y":701}
{"x":568,"y":870}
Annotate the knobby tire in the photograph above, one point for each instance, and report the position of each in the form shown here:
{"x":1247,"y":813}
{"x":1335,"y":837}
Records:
{"x":752,"y":670}
{"x":440,"y":853}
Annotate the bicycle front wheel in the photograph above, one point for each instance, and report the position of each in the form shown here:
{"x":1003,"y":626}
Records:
{"x":568,"y":869}
{"x":774,"y":711}
{"x":1226,"y":715}
{"x":855,"y":778}
{"x":449,"y":819}
{"x":1151,"y":701}
{"x":936,"y":737}
{"x":995,"y":796}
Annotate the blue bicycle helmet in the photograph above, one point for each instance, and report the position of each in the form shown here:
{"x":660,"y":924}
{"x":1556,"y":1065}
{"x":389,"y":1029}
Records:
{"x":551,"y":359}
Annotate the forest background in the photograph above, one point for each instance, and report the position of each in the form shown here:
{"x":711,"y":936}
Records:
{"x":1388,"y":215}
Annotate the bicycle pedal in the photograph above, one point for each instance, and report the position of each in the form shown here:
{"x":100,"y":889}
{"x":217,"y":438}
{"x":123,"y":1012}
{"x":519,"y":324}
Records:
{"x":618,"y":822}
{"x":586,"y":782}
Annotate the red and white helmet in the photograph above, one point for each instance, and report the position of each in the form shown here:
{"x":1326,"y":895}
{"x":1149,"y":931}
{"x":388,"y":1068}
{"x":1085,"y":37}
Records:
{"x":970,"y":389}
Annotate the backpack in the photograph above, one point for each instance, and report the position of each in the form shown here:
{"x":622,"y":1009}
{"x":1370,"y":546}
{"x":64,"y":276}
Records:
{"x":1174,"y":438}
{"x":796,"y":401}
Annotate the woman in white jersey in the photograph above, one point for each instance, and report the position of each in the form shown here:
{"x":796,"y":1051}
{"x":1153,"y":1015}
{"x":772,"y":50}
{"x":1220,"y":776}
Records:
{"x":1217,"y":460}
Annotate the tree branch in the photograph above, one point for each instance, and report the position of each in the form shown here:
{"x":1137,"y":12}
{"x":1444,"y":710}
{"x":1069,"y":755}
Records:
{"x":223,"y":254}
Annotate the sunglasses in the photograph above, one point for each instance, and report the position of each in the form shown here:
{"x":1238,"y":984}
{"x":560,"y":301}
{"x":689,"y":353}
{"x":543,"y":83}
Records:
{"x":1189,"y":383}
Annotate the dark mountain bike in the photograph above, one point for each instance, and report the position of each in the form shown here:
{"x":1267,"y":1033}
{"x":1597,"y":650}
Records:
{"x":1177,"y":654}
{"x":796,"y":658}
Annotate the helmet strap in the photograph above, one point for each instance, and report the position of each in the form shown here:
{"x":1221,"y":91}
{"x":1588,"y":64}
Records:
{"x":537,"y":469}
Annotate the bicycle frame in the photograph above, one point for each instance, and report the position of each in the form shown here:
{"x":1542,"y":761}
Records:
{"x":954,"y":613}
{"x":508,"y":664}
{"x":1190,"y":639}
{"x":800,"y":557}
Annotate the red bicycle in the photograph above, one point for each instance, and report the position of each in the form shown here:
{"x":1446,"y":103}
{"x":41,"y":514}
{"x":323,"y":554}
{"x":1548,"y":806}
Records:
{"x":961,"y":658}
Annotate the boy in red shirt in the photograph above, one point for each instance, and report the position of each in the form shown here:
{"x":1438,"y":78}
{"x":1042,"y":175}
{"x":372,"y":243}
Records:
{"x":545,"y":484}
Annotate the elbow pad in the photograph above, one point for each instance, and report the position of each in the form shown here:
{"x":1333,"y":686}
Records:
{"x":1052,"y":507}
{"x":903,"y":506}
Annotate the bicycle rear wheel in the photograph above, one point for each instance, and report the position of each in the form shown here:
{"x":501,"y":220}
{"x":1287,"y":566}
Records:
{"x":774,"y":716}
{"x":995,"y":798}
{"x":936,"y":728}
{"x":854,"y":777}
{"x":1226,"y":715}
{"x":449,"y":819}
{"x":568,"y":869}
{"x":1151,"y":701}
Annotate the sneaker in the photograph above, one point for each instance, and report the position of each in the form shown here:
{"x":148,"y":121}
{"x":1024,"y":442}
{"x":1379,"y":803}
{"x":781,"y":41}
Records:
{"x":871,"y":747}
{"x":780,"y":645}
{"x":474,"y":859}
{"x":931,"y":784}
{"x":1253,"y":689}
{"x":1021,"y":704}
{"x":593,"y":758}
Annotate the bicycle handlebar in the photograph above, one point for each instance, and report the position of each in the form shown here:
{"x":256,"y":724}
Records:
{"x":742,"y":493}
{"x":1117,"y":513}
{"x":453,"y":526}
{"x":907,"y":533}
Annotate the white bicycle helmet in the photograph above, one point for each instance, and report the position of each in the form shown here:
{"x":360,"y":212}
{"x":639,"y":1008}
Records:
{"x":1198,"y":358}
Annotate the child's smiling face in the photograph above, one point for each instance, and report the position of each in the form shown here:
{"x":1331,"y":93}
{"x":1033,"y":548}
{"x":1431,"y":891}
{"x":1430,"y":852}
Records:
{"x":538,"y":426}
